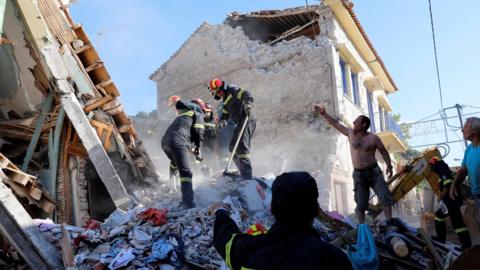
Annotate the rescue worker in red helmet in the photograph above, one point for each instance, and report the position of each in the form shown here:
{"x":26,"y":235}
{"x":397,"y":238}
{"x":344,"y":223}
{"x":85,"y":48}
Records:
{"x":237,"y":105}
{"x":172,"y":100}
{"x":185,"y":133}
{"x":190,"y":104}
{"x":448,"y":207}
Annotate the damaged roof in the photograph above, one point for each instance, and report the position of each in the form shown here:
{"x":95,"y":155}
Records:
{"x":277,"y":23}
{"x":293,"y":22}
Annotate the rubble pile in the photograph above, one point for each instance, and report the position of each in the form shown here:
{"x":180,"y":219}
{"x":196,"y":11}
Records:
{"x":411,"y":248}
{"x":160,"y":233}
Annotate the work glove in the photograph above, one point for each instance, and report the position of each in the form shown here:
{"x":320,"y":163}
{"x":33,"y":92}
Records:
{"x":197,"y":153}
{"x":248,"y":108}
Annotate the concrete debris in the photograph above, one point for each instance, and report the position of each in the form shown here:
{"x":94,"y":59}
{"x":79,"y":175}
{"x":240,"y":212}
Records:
{"x":129,"y":240}
{"x":137,"y":238}
{"x":94,"y":166}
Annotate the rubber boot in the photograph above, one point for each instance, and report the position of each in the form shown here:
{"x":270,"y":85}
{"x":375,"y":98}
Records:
{"x":441,"y":229}
{"x":464,"y":238}
{"x":187,"y":194}
{"x":244,"y":166}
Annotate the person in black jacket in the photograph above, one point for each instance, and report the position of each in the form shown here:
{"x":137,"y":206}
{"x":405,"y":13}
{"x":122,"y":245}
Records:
{"x":291,"y":243}
{"x":448,"y":207}
{"x":185,"y":134}
{"x":237,"y":105}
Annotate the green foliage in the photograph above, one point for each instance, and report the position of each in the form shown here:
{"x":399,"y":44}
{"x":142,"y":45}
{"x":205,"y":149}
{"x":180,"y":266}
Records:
{"x":410,"y":153}
{"x":404,"y":127}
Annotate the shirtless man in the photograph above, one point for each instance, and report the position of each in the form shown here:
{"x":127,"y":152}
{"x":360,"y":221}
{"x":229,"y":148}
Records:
{"x":366,"y":174}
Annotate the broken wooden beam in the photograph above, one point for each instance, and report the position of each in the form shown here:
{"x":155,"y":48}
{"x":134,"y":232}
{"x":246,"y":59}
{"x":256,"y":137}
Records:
{"x":94,"y":147}
{"x":18,"y":176}
{"x":431,"y":248}
{"x":82,"y":49}
{"x":96,"y":65}
{"x":61,"y":83}
{"x":18,"y":227}
{"x":96,"y":103}
{"x":66,"y":248}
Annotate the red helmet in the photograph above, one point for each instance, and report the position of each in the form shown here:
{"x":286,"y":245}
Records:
{"x":173,"y":100}
{"x":433,"y":160}
{"x":199,"y":102}
{"x":203,"y":105}
{"x":215,"y":84}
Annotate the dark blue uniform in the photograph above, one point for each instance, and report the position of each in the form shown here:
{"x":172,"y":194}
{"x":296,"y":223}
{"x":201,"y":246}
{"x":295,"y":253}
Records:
{"x":185,"y":132}
{"x":451,"y":207}
{"x":234,"y":101}
{"x":283,"y":247}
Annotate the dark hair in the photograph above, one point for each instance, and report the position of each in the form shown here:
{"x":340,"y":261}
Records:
{"x":365,"y":120}
{"x":294,"y":198}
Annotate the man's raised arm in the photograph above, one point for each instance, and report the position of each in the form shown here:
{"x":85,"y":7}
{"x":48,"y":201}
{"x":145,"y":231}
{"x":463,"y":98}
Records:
{"x":334,"y":123}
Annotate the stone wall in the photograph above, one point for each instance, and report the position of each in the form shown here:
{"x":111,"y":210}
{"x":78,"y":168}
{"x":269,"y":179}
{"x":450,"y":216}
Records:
{"x":285,"y":80}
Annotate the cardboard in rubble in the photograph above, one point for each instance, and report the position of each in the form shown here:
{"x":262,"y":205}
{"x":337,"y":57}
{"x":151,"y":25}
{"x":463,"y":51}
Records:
{"x":128,"y":238}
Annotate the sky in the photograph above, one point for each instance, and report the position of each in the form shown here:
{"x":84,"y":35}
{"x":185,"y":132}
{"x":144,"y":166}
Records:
{"x":135,"y":37}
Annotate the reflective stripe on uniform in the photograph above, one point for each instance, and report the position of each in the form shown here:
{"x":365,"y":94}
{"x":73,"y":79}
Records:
{"x":228,"y":249}
{"x":227,"y":100}
{"x":245,"y":268}
{"x":439,"y":219}
{"x":459,"y":230}
{"x":189,"y":113}
{"x":173,"y":166}
{"x":209,"y":124}
{"x":447,"y":181}
{"x":240,"y":93}
{"x":224,"y":111}
{"x":185,"y":179}
{"x":200,"y":126}
{"x":243,"y":155}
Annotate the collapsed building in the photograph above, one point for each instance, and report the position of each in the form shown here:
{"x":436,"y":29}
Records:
{"x":68,"y":151}
{"x":291,"y":59}
{"x":66,"y":144}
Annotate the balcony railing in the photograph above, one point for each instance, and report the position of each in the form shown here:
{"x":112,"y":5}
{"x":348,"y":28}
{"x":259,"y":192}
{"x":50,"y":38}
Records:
{"x":391,"y":125}
{"x":388,"y":124}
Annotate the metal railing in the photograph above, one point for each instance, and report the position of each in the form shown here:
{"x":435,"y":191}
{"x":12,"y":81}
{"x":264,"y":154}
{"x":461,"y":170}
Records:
{"x":385,"y":122}
{"x":391,"y":125}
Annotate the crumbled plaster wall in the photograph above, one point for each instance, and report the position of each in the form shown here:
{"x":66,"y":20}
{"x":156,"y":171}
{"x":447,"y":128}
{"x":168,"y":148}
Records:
{"x":27,"y":97}
{"x":285,"y":80}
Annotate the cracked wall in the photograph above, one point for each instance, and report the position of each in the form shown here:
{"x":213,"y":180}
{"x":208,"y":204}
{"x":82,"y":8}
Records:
{"x":22,"y":96}
{"x":285,"y":79}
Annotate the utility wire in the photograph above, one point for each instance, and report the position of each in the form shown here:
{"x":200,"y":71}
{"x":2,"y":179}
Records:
{"x":436,"y":54}
{"x":468,"y":106}
{"x":431,"y":144}
{"x":436,"y":65}
{"x":438,"y":119}
{"x":425,"y":118}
